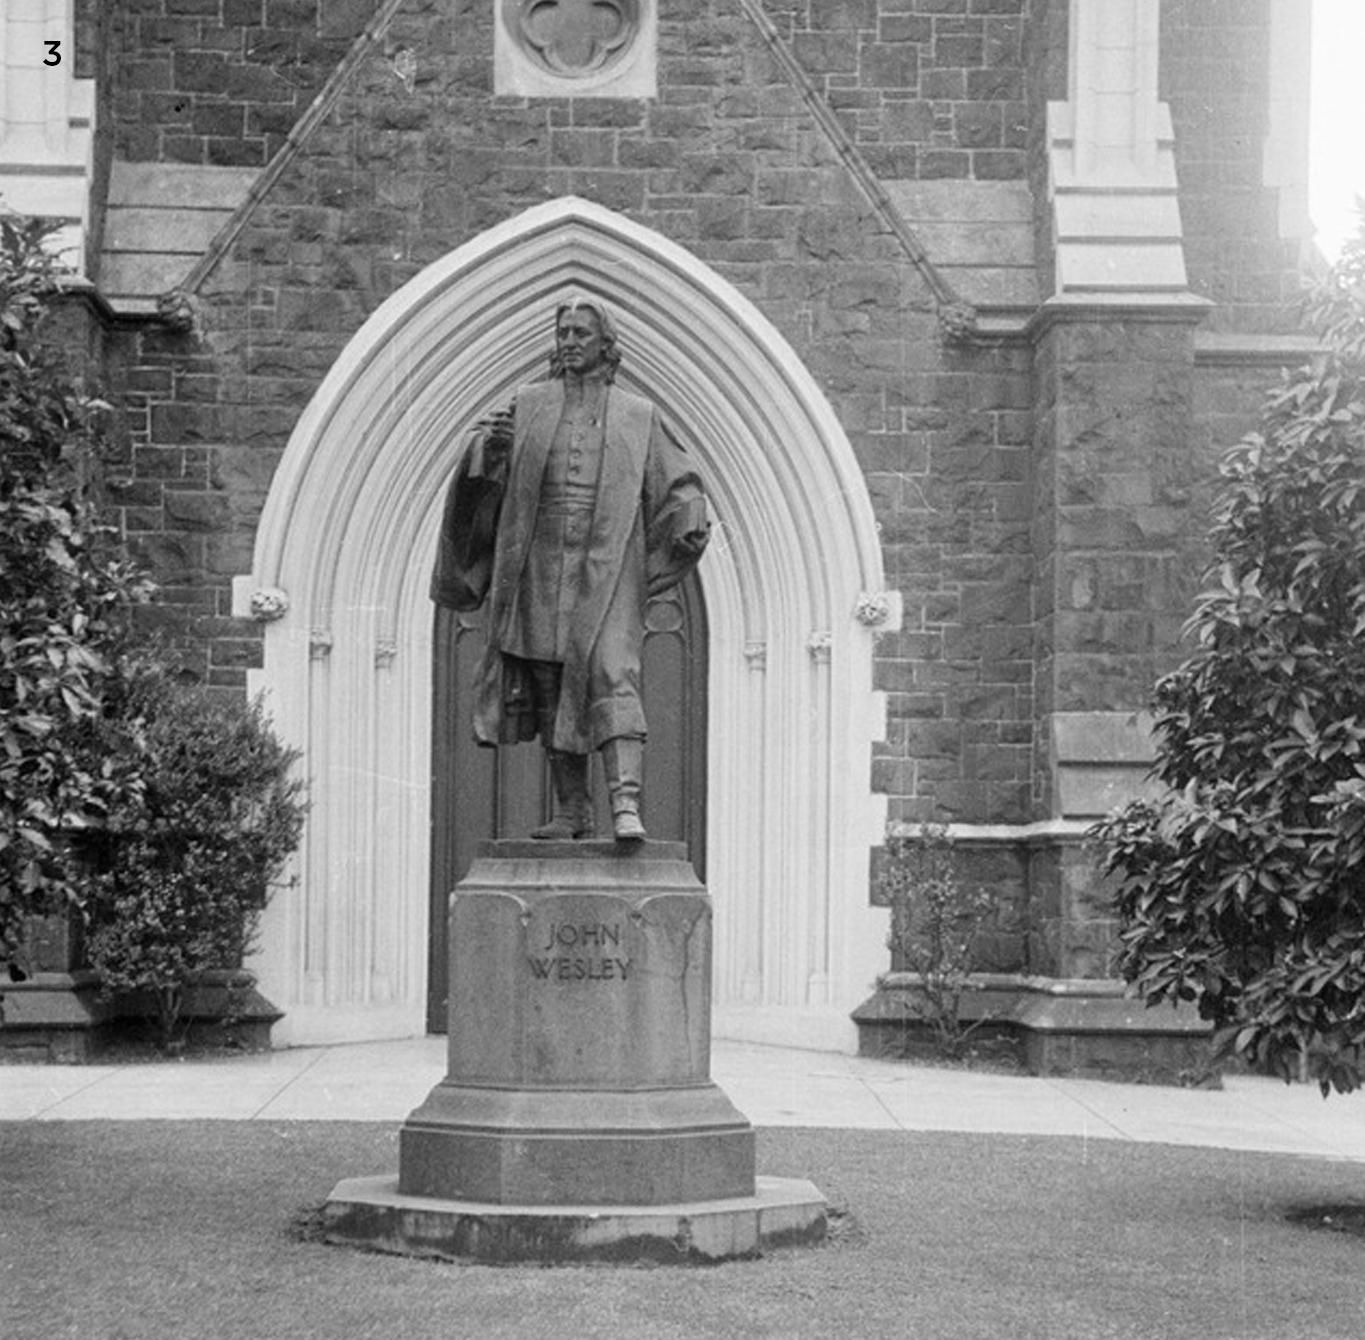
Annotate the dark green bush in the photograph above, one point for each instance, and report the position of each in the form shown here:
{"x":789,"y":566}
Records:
{"x":158,"y":812}
{"x":1243,"y":888}
{"x":184,"y":870}
{"x":65,"y":593}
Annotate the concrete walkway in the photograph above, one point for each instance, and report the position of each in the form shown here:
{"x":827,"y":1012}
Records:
{"x":773,"y":1086}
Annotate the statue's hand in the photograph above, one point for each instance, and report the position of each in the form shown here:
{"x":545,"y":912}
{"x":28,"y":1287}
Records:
{"x":690,"y":544}
{"x":497,"y":431}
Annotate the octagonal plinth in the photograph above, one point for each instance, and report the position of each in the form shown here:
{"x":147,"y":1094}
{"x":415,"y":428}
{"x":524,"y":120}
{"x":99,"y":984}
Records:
{"x":579,"y":1044}
{"x":370,"y":1212}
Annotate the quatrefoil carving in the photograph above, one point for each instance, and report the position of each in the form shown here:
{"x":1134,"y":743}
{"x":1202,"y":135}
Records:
{"x":574,"y":38}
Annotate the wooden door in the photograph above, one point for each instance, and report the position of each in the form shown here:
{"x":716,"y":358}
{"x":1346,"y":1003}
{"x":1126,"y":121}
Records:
{"x":482,"y":793}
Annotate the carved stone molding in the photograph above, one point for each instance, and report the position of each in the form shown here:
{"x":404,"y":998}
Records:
{"x":573,"y":38}
{"x":268,"y":603}
{"x":791,"y":813}
{"x":405,"y":68}
{"x":47,"y":115}
{"x":873,"y":608}
{"x":569,"y":48}
{"x":179,"y":310}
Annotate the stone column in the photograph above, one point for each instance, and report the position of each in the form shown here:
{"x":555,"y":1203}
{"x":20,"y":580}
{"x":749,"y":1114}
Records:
{"x":1111,"y":166}
{"x":46,"y":122}
{"x":1115,"y":543}
{"x":1117,"y":572}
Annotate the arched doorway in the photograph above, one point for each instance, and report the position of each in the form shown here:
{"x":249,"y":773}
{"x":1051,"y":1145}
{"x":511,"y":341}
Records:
{"x":792,"y":582}
{"x":486,"y":793}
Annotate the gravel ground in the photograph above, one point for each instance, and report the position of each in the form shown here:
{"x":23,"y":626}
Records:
{"x":190,"y":1230}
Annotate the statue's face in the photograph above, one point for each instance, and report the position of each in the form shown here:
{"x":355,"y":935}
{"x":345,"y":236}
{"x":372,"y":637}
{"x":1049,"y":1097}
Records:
{"x":578,"y":337}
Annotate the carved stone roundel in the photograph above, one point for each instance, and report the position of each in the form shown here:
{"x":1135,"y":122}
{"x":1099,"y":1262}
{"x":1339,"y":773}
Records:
{"x":574,"y":38}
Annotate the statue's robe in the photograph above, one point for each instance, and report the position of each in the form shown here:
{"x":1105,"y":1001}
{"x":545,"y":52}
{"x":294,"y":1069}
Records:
{"x":647,"y":497}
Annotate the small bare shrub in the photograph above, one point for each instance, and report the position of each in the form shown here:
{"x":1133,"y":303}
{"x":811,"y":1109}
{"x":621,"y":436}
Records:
{"x":937,"y":920}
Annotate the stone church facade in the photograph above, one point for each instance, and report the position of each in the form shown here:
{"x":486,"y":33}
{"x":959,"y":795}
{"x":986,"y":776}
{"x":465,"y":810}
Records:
{"x":955,"y":302}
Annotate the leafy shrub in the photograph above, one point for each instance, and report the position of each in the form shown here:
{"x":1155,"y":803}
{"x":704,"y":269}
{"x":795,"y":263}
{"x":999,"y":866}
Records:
{"x":936,"y":924}
{"x":160,"y":812}
{"x":1243,"y":888}
{"x":65,"y":591}
{"x":186,"y":869}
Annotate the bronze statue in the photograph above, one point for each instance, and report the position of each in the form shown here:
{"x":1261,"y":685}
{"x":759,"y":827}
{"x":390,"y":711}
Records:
{"x":569,"y":509}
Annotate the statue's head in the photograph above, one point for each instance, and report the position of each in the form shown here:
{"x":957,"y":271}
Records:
{"x":585,"y":338}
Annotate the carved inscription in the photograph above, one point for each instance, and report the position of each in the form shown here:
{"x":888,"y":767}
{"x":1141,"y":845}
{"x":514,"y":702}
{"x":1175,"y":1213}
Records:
{"x":581,"y":952}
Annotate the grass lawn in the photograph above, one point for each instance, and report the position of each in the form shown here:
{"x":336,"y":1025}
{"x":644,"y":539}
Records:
{"x":189,"y":1230}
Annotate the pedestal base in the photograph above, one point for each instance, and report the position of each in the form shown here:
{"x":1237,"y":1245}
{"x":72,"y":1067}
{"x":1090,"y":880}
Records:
{"x":554,"y":1147}
{"x":370,"y":1212}
{"x":578,"y":1120}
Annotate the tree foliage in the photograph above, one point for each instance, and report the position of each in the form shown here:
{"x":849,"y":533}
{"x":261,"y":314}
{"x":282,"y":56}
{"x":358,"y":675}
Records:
{"x":64,"y":593}
{"x":158,"y":811}
{"x":1243,"y":887}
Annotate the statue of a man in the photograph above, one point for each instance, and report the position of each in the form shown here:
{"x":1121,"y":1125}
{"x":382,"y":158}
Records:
{"x":568,"y":510}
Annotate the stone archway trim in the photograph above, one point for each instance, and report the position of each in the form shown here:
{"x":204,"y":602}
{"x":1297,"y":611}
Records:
{"x":347,"y":532}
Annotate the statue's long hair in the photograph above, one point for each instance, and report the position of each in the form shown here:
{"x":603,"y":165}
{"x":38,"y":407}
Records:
{"x":611,"y":353}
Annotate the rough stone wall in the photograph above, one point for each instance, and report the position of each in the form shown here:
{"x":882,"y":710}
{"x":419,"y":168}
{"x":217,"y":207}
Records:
{"x":1124,"y":480}
{"x":1071,"y":928}
{"x":85,"y":38}
{"x":1045,"y":69}
{"x":1233,"y":249}
{"x":1228,"y":400}
{"x":1129,"y":431}
{"x":1040,"y":509}
{"x":188,"y":494}
{"x":1118,"y":543}
{"x":955,"y":521}
{"x":1228,"y":397}
{"x":221,"y":81}
{"x":929,"y":88}
{"x":91,"y":30}
{"x":728,"y":162}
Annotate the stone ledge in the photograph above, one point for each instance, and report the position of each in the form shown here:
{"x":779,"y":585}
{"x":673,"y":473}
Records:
{"x":588,"y":1147}
{"x":1102,"y":760}
{"x":1053,"y":1026}
{"x":1236,"y":349}
{"x":63,"y":1017}
{"x":582,"y":849}
{"x":53,"y":1017}
{"x":370,"y":1213}
{"x":161,"y":219}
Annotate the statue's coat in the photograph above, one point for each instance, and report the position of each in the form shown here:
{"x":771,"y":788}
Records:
{"x":648,"y":496}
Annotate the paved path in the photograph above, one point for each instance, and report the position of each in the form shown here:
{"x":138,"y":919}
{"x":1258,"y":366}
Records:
{"x":773,"y":1086}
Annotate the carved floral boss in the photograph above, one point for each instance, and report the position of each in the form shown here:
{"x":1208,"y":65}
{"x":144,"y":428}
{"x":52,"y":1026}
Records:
{"x":574,"y":37}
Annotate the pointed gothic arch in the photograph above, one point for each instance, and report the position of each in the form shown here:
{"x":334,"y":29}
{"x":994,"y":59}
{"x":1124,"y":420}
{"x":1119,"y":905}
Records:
{"x":347,"y":535}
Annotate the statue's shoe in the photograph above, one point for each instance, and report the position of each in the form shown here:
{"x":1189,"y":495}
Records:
{"x":562,"y":828}
{"x":627,"y":826}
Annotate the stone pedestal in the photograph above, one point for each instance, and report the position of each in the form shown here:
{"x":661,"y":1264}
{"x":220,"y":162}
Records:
{"x":578,"y":1118}
{"x":580,"y":1045}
